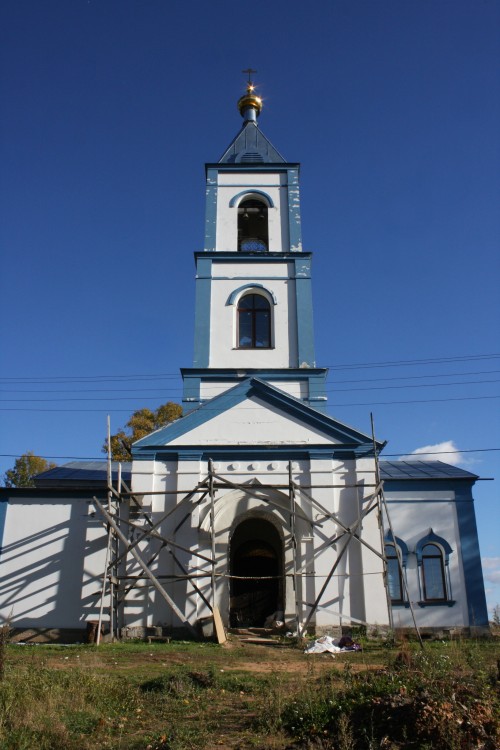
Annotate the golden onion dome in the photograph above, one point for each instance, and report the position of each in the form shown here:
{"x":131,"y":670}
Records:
{"x":250,"y":101}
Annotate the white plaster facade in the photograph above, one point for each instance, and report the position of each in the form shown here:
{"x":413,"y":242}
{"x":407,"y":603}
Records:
{"x":276,"y":283}
{"x":274,"y":539}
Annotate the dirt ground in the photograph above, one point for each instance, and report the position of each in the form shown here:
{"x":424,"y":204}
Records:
{"x":233,"y":656}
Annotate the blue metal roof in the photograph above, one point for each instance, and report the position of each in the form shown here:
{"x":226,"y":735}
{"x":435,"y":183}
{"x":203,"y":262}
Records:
{"x":422,"y":470}
{"x":93,"y":473}
{"x":251,"y":146}
{"x":82,"y":473}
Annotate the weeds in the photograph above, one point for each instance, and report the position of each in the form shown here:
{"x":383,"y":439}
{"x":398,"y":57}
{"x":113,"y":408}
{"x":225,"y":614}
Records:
{"x":422,"y":700}
{"x":4,"y":639}
{"x":192,"y":698}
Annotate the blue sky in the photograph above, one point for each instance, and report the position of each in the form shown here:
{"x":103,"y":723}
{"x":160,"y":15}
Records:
{"x":110,"y":110}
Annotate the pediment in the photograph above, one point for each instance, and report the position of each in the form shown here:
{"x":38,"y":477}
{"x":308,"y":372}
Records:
{"x":250,"y":146}
{"x":253,"y":413}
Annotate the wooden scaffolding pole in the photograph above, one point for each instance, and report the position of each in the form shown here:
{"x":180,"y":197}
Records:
{"x":212,"y":526}
{"x":108,"y":546}
{"x":381,"y":526}
{"x":383,"y":506}
{"x":293,"y":535}
{"x":144,"y":567}
{"x":207,"y":488}
{"x":352,"y":535}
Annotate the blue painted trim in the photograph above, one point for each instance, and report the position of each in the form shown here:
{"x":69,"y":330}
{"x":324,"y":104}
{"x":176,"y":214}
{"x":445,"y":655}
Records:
{"x":249,"y":191}
{"x":444,"y":603}
{"x":191,"y":393}
{"x":320,"y":455}
{"x":189,"y":454}
{"x":426,"y":485}
{"x":202,"y":313}
{"x":305,"y":329}
{"x":317,"y":389}
{"x":211,"y":210}
{"x":281,"y":167}
{"x":234,"y":256}
{"x":432,"y":538}
{"x":51,"y":495}
{"x":251,"y":278}
{"x":236,"y":292}
{"x":471,"y":559}
{"x":226,"y":373}
{"x":4,"y":504}
{"x":252,"y":453}
{"x":347,"y":436}
{"x":294,"y":229}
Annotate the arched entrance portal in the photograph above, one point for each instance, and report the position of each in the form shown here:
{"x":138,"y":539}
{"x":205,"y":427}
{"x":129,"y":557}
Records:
{"x":256,"y":562}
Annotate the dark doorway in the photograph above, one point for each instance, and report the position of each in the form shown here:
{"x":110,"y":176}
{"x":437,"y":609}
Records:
{"x":256,"y":562}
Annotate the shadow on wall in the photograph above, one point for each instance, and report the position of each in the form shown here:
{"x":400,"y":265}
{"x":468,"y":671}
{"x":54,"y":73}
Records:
{"x":44,"y":582}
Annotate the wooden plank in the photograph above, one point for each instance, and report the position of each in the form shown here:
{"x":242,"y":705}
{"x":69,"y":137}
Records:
{"x":218,"y":626}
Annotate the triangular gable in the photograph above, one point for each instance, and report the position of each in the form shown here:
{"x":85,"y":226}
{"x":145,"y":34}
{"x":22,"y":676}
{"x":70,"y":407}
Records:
{"x":251,"y":146}
{"x":263,"y":394}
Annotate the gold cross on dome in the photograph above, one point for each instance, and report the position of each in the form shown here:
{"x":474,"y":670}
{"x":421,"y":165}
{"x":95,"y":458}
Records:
{"x":249,"y":72}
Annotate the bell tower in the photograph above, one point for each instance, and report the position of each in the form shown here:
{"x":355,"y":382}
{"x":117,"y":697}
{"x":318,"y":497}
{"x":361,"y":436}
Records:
{"x":253,"y":313}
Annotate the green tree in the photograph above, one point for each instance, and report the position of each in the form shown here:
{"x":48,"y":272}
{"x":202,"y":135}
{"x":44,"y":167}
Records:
{"x":25,"y":468}
{"x":141,"y":423}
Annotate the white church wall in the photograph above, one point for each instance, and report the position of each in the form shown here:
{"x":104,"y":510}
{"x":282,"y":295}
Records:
{"x":224,"y":351}
{"x":170,"y":480}
{"x":189,"y":473}
{"x":297,"y":388}
{"x":347,"y":598}
{"x":241,"y":272}
{"x":252,"y":422}
{"x":327,"y":614}
{"x":53,"y":556}
{"x":376,"y":602}
{"x":413,"y":514}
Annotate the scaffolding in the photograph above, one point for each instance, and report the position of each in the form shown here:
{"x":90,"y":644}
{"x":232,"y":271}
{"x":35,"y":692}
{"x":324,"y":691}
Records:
{"x":126,"y":532}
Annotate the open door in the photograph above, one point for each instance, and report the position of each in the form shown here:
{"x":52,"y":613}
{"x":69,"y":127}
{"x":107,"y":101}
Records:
{"x":256,"y":567}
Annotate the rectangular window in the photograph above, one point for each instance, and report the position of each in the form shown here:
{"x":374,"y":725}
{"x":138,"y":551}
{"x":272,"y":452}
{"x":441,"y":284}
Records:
{"x":433,"y":574}
{"x":262,"y":328}
{"x":394,"y":579}
{"x":245,"y":328}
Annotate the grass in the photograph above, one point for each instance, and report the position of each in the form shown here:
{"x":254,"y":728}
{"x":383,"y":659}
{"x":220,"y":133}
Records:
{"x":194,"y":696}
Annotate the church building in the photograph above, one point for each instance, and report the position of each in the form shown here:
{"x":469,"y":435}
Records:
{"x":256,"y":505}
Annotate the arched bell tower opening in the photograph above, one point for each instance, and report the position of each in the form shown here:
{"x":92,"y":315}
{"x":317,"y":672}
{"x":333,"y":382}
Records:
{"x":256,"y":569}
{"x":253,"y":228}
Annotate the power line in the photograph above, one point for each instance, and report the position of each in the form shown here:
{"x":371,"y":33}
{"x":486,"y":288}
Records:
{"x":169,"y":375}
{"x":102,"y":457}
{"x":167,"y":393}
{"x":411,"y":362}
{"x":208,"y":387}
{"x":251,"y":408}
